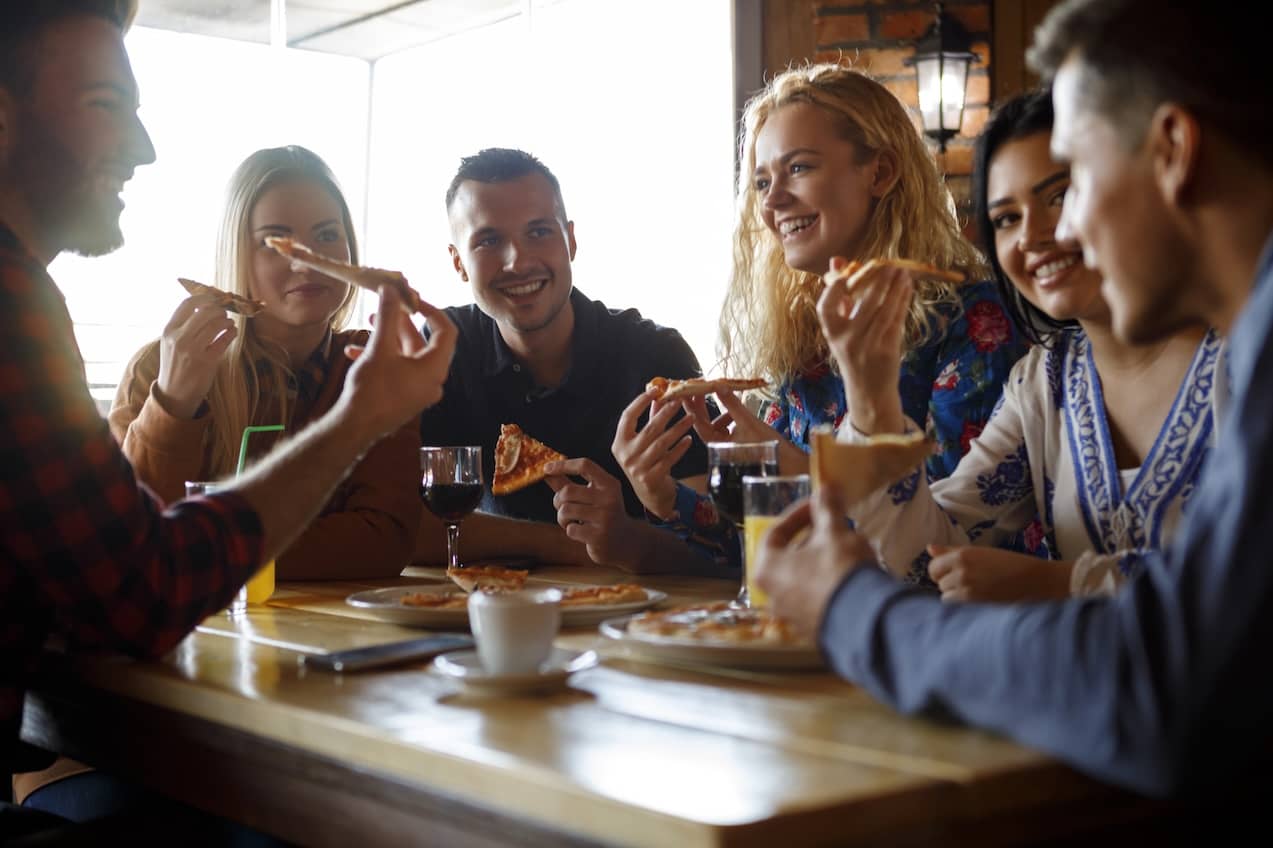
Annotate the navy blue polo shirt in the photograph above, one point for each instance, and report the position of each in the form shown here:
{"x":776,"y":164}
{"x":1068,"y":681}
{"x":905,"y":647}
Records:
{"x":614,"y":354}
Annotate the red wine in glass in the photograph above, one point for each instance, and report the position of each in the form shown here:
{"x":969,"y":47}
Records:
{"x":451,"y":486}
{"x":727,"y":464}
{"x":725,"y":485}
{"x":451,"y":501}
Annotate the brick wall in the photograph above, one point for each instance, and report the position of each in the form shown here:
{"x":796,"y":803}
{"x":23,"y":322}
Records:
{"x":877,"y":36}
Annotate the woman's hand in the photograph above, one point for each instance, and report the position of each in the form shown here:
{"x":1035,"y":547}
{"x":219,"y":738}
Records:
{"x":647,"y":456}
{"x":190,"y":350}
{"x":746,"y":428}
{"x":974,"y":573}
{"x":864,"y":329}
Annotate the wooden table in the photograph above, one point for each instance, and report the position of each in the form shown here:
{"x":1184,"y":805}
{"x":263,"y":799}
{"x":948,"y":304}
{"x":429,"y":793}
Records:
{"x":632,"y":753}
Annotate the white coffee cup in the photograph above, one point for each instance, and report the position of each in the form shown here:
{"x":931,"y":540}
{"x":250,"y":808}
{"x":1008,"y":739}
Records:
{"x":515,"y":630}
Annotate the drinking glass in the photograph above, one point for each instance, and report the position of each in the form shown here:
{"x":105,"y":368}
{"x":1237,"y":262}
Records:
{"x":727,"y":464}
{"x":764,"y":499}
{"x":451,"y":485}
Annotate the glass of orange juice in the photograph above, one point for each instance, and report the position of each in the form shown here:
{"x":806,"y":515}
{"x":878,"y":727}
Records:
{"x":764,"y":499}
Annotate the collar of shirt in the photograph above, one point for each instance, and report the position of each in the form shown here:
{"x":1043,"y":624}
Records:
{"x":304,"y":383}
{"x":585,"y":347}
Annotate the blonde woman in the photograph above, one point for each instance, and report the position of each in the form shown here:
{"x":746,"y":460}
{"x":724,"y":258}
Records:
{"x":834,"y":170}
{"x":185,"y":398}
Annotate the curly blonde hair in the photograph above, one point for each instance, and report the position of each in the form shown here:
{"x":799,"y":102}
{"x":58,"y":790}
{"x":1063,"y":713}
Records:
{"x":769,"y":325}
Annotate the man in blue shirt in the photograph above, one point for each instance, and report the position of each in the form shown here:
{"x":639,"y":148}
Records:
{"x":1162,"y":112}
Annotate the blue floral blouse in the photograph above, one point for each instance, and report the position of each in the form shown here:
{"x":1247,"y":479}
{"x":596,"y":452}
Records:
{"x":952,"y":383}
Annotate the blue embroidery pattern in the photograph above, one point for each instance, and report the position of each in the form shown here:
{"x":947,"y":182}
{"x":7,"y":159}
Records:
{"x":903,"y":490}
{"x":1010,"y":481}
{"x":1115,"y":519}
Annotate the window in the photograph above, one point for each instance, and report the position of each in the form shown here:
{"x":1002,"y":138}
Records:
{"x":631,"y":106}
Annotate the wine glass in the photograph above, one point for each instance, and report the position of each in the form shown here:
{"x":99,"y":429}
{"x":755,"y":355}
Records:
{"x":727,"y":464}
{"x":451,"y":485}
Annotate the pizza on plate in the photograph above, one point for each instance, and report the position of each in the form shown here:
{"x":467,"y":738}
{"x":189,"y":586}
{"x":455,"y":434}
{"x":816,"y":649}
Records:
{"x":487,"y":578}
{"x":436,"y":600}
{"x":356,"y":275}
{"x":601,"y":596}
{"x":718,"y":622}
{"x":228,"y":301}
{"x":519,"y":460}
{"x":666,"y":389}
{"x":575,"y":596}
{"x":857,"y":470}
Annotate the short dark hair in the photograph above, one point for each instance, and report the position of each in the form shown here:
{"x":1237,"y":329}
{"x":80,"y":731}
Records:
{"x":22,"y":22}
{"x":1211,"y":58}
{"x":1023,"y":115}
{"x":500,"y":165}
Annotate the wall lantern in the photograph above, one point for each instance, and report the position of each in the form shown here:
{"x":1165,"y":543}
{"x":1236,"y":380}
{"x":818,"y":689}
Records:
{"x":941,"y":61}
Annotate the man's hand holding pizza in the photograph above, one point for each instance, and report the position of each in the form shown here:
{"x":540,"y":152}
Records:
{"x":190,"y":351}
{"x":805,"y":556}
{"x":400,"y":372}
{"x":593,"y":513}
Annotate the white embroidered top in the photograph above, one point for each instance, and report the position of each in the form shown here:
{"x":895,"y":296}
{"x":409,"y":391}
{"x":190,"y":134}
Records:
{"x":1047,"y":451}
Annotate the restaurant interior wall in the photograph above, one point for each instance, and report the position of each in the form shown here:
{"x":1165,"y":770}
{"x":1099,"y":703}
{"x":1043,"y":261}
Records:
{"x":879,"y":35}
{"x":647,"y":177}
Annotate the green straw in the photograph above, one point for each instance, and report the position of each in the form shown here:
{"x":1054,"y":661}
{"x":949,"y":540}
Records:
{"x":243,"y":445}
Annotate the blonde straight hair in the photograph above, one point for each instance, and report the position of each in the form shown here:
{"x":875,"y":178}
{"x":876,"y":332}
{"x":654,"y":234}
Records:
{"x":254,"y":369}
{"x":769,"y":324}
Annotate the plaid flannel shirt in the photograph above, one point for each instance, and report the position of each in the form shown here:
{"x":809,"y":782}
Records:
{"x":85,"y":551}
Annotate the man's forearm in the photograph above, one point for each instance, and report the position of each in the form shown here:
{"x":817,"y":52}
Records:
{"x":290,"y":487}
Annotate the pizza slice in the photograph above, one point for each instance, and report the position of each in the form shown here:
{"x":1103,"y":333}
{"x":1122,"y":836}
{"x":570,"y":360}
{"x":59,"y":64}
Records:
{"x":228,"y":301}
{"x":356,"y":275}
{"x":718,"y":622}
{"x":666,"y":389}
{"x":857,"y":470}
{"x":519,"y":460}
{"x":436,"y":600}
{"x":854,"y":271}
{"x":619,"y":593}
{"x":487,"y":578}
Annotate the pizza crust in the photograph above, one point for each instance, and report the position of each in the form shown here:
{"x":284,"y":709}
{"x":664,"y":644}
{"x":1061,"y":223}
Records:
{"x":666,"y":389}
{"x":519,"y":460}
{"x":857,"y":470}
{"x":228,"y":301}
{"x":472,"y":578}
{"x":356,"y":275}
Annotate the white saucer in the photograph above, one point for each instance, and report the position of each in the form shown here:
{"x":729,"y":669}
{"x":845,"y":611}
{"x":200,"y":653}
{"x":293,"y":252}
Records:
{"x":465,"y":667}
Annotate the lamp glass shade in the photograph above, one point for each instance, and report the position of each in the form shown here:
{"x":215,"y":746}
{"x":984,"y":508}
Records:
{"x":941,"y":80}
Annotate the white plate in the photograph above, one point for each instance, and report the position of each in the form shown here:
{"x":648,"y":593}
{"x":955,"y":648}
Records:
{"x":723,"y":654}
{"x":465,"y":667}
{"x":387,"y":604}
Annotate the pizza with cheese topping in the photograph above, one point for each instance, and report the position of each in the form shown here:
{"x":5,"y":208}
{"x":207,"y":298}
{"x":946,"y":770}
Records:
{"x":356,"y":275}
{"x":519,"y":460}
{"x":487,"y":578}
{"x":665,"y":389}
{"x":719,"y":622}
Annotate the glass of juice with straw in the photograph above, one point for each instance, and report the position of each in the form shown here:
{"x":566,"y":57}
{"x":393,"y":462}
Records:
{"x":260,"y":585}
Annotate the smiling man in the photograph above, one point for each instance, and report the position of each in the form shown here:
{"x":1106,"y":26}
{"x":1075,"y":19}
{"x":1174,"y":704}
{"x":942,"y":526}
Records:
{"x":1162,"y":114}
{"x":534,"y":351}
{"x":88,"y":556}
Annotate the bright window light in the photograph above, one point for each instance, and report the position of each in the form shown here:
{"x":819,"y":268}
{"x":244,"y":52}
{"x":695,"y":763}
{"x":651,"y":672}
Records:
{"x":639,"y":132}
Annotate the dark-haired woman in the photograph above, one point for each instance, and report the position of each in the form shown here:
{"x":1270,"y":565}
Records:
{"x":1103,"y":440}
